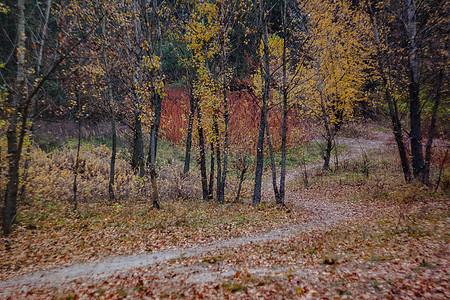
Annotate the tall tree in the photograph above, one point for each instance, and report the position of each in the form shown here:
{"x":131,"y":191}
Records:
{"x":265,"y":84}
{"x":414,"y":102}
{"x":14,"y":141}
{"x":20,"y":101}
{"x":410,"y":34}
{"x":384,"y":70}
{"x":336,"y":34}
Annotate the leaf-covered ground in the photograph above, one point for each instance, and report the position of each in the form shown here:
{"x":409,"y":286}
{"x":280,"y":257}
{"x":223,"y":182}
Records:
{"x":357,"y":233}
{"x":51,"y":235}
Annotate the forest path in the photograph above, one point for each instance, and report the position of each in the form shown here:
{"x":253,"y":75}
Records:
{"x":324,"y":214}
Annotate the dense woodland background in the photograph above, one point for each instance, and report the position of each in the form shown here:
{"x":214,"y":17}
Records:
{"x":92,"y":90}
{"x":151,"y":127}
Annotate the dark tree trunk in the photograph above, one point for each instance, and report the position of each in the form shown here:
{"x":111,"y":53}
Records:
{"x":154,"y":129}
{"x":211,"y":174}
{"x":328,"y":135}
{"x":223,"y":175}
{"x":77,"y":157}
{"x":19,"y":104}
{"x":155,"y":198}
{"x":259,"y":159}
{"x":415,"y":113}
{"x":426,"y":175}
{"x":112,"y":117}
{"x":219,"y":159}
{"x":187,"y":156}
{"x":157,"y":103}
{"x":265,"y":82}
{"x":397,"y":131}
{"x":241,"y":180}
{"x":113,"y":155}
{"x":327,"y":151}
{"x":272,"y":161}
{"x":285,"y":110}
{"x":201,"y":140}
{"x":336,"y":156}
{"x":137,"y":161}
{"x":9,"y":208}
{"x":151,"y":159}
{"x":38,"y":73}
{"x":393,"y":113}
{"x":221,"y":195}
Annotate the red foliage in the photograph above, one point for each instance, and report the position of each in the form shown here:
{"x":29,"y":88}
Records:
{"x":244,"y":120}
{"x":174,"y":114}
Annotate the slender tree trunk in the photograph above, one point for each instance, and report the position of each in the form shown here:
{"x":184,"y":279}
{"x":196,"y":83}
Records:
{"x":201,"y":140}
{"x":426,"y":175}
{"x":157,"y":103}
{"x":157,"y":99}
{"x":44,"y":33}
{"x":397,"y":131}
{"x":327,"y":151}
{"x":137,"y":161}
{"x":265,"y":81}
{"x":112,"y":118}
{"x":223,"y":176}
{"x":19,"y":104}
{"x":151,"y":159}
{"x":305,"y":175}
{"x":14,"y":145}
{"x":241,"y":180}
{"x":393,"y":113}
{"x":38,"y":72}
{"x":336,"y":156}
{"x":112,"y":165}
{"x":77,"y":157}
{"x":219,"y":159}
{"x":155,"y":197}
{"x":154,"y":129}
{"x":225,"y":152}
{"x":440,"y":170}
{"x":285,"y":110}
{"x":211,"y":174}
{"x":187,"y":156}
{"x":329,"y":135}
{"x":415,"y":113}
{"x":259,"y":160}
{"x":274,"y":168}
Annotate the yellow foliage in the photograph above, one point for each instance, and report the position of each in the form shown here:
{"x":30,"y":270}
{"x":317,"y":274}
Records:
{"x":335,"y":74}
{"x":3,"y":8}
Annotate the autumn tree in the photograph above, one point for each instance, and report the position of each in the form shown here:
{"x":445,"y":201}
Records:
{"x":336,"y":35}
{"x":207,"y":40}
{"x":264,"y":62}
{"x":410,"y":34}
{"x":24,"y":86}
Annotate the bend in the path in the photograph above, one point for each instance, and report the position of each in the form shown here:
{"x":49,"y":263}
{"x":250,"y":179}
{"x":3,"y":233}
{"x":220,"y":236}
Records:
{"x":98,"y":270}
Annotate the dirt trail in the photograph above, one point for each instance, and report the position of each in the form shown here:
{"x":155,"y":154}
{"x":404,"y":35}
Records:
{"x":356,"y":149}
{"x":323,"y":214}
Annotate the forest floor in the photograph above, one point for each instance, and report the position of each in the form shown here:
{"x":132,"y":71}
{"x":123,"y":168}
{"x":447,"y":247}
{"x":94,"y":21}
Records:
{"x":356,"y":232}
